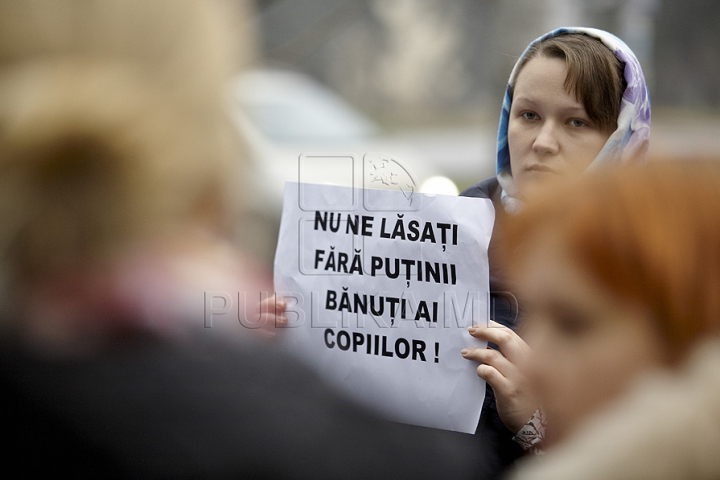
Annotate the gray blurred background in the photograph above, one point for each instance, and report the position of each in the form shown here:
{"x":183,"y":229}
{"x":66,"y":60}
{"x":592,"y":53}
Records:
{"x":423,"y":80}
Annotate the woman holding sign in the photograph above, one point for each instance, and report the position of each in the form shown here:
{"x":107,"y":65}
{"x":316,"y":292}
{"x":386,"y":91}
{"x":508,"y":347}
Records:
{"x":576,"y":100}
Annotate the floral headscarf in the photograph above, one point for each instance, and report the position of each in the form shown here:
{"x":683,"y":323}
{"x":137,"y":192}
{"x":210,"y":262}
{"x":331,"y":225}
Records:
{"x":629,"y":142}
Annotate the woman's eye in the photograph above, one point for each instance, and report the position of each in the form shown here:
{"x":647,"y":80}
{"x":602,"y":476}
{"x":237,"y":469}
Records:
{"x":529,"y":115}
{"x":577,"y":123}
{"x":571,"y":325}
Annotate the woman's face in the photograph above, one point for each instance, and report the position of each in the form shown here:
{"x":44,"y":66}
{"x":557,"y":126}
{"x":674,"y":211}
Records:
{"x":550,"y":135}
{"x":588,"y":344}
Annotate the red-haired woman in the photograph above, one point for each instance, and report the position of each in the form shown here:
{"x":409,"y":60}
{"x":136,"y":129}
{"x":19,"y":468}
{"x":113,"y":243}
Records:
{"x":620,"y":284}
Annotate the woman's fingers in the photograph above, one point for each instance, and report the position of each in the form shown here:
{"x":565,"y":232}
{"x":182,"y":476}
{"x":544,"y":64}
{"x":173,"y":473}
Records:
{"x":510,"y":343}
{"x":274,"y":304}
{"x":491,"y":357}
{"x":272,"y":311}
{"x":272,"y":316}
{"x":515,"y":399}
{"x":488,"y":369}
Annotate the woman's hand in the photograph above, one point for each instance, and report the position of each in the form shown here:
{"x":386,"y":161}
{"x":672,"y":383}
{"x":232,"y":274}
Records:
{"x":515,"y":400}
{"x":272,"y":316}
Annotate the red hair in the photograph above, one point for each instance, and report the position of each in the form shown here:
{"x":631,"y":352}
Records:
{"x":649,"y":234}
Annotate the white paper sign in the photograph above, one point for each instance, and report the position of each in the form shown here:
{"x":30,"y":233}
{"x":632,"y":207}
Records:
{"x":381,"y":286}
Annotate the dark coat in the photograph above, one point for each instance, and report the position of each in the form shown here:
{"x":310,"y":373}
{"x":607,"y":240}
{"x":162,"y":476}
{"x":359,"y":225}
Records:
{"x":504,"y":309}
{"x":203,"y":409}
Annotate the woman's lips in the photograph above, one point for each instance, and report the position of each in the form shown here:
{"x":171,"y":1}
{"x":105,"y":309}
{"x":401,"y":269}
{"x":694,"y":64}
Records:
{"x":539,"y":169}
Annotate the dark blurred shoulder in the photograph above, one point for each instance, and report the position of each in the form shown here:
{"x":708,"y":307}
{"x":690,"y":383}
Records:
{"x":488,"y":188}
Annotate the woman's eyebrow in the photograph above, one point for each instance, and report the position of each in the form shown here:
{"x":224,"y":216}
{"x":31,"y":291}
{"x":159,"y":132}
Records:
{"x":575,"y":108}
{"x":523,"y":98}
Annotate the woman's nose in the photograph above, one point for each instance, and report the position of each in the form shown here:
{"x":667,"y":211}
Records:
{"x":546,"y":141}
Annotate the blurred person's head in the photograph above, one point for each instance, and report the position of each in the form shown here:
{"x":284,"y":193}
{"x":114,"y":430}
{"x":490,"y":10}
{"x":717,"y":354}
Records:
{"x":575,"y":98}
{"x":619,"y":273}
{"x":112,"y":131}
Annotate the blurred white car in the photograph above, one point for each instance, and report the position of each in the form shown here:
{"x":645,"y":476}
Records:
{"x":286,"y":117}
{"x":299,"y":130}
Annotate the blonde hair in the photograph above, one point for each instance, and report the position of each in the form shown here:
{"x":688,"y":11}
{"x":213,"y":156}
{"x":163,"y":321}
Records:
{"x":112,"y":124}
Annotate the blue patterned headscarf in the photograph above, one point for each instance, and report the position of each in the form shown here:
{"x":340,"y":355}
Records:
{"x":629,"y":142}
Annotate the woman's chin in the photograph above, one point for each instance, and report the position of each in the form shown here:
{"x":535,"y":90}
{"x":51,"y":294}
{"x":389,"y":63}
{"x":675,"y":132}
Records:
{"x":538,"y":186}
